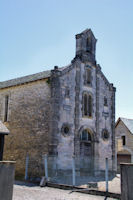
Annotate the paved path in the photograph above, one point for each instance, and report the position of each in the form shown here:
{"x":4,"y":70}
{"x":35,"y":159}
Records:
{"x":22,"y":192}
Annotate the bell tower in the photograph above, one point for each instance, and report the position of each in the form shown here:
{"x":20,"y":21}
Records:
{"x":86,"y":46}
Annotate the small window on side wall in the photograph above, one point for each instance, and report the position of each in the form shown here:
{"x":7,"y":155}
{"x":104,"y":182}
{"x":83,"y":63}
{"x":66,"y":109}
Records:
{"x":6,"y":108}
{"x":123,"y":140}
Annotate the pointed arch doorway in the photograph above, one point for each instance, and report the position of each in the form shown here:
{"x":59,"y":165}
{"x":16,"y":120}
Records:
{"x":87,"y":151}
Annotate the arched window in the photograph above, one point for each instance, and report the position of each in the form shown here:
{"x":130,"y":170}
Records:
{"x":87,"y":105}
{"x":85,"y":135}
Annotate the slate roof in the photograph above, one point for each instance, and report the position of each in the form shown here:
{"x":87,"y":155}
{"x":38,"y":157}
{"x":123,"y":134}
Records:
{"x":128,"y":123}
{"x":29,"y":78}
{"x":25,"y":79}
{"x":3,"y":129}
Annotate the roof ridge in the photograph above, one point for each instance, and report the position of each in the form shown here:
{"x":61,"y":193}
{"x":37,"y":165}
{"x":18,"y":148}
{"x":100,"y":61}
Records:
{"x":25,"y":79}
{"x":125,"y":118}
{"x":24,"y":76}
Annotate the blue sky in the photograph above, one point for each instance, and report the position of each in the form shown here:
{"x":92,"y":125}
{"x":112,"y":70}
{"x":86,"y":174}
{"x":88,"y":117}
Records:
{"x":36,"y":35}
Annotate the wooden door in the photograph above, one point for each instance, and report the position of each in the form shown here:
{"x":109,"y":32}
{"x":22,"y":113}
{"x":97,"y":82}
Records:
{"x":86,"y":155}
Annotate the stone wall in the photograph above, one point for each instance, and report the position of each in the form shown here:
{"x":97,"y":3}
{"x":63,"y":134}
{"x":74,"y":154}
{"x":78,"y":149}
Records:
{"x":28,"y":122}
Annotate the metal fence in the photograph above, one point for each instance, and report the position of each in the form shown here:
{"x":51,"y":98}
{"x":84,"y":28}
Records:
{"x":81,"y":170}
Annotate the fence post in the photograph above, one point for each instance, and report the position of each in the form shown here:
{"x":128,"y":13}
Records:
{"x":46,"y":166}
{"x":26,"y":166}
{"x":73,"y":170}
{"x":106,"y":173}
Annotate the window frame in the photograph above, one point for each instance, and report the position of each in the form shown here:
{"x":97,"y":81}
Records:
{"x":88,"y":134}
{"x":87,"y":105}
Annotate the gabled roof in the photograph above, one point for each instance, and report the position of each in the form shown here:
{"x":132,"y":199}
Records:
{"x":25,"y":79}
{"x":3,"y":129}
{"x":127,"y":122}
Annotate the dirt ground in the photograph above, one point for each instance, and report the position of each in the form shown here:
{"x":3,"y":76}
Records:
{"x":22,"y":192}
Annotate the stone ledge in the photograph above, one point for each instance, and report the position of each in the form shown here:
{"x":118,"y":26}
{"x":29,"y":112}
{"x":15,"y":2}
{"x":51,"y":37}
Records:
{"x":127,"y":164}
{"x":7,"y":162}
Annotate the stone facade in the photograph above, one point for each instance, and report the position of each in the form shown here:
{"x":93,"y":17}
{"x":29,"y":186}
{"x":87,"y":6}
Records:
{"x":69,"y":110}
{"x":46,"y":112}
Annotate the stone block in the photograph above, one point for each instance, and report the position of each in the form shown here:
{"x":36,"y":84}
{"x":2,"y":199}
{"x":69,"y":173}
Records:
{"x":7,"y":170}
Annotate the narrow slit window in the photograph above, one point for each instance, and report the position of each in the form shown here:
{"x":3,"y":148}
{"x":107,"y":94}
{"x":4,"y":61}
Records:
{"x":6,"y":108}
{"x":67,"y":93}
{"x":88,"y":45}
{"x":89,"y":106}
{"x":85,"y":104}
{"x":105,"y":101}
{"x":88,"y":76}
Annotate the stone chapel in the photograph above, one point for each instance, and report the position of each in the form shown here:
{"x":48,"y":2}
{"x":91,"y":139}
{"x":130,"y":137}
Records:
{"x":62,"y":112}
